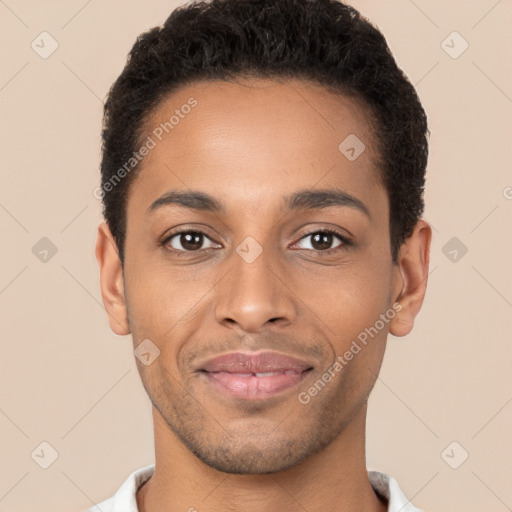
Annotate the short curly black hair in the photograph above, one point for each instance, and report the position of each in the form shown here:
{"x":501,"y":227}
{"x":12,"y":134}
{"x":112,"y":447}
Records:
{"x":321,"y":41}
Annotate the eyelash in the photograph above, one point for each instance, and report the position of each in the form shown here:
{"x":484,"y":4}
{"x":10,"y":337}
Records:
{"x":345,"y":241}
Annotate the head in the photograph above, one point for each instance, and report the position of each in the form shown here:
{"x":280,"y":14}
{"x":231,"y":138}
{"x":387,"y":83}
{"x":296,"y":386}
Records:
{"x":262,"y":180}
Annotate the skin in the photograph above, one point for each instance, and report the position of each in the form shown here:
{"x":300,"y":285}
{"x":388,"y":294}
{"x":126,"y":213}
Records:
{"x":248,"y":145}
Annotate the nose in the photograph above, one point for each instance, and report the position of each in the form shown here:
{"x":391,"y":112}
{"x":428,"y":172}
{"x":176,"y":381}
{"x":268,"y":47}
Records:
{"x":254,"y":296}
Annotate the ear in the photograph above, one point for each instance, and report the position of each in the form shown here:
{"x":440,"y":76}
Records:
{"x":411,"y":274}
{"x":112,"y":280}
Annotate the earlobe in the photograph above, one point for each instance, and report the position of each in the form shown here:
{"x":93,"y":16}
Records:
{"x":112,"y":280}
{"x":412,"y":276}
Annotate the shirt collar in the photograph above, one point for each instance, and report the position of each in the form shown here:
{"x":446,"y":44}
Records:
{"x":125,"y":499}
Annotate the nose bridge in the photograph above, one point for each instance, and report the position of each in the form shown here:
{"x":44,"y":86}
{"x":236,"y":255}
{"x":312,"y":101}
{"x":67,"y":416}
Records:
{"x":253,"y":293}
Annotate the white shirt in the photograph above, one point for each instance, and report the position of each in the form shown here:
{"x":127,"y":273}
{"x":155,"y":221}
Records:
{"x":125,"y":499}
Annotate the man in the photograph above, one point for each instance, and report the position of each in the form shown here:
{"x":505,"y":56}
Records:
{"x":262,"y":178}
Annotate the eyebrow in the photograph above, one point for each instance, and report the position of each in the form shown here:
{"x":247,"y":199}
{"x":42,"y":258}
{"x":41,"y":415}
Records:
{"x":318,"y":199}
{"x":303,"y":199}
{"x":193,"y":199}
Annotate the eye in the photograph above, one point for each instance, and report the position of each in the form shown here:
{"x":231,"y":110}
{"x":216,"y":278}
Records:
{"x":323,"y":241}
{"x":189,"y":241}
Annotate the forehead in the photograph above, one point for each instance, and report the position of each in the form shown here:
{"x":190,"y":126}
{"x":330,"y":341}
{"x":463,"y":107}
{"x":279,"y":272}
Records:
{"x":257,"y":139}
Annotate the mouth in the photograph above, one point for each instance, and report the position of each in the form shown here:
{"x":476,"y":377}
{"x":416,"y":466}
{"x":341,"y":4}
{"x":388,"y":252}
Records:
{"x":251,"y":376}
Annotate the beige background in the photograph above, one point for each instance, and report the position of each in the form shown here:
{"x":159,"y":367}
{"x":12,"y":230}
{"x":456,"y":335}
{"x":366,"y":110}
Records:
{"x":67,"y":380}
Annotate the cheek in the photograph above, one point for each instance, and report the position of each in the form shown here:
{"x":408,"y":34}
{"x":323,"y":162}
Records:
{"x":351,"y":306}
{"x":346,"y":301}
{"x":163,"y":302}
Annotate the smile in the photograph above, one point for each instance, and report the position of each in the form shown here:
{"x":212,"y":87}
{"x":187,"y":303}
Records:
{"x":254,"y":376}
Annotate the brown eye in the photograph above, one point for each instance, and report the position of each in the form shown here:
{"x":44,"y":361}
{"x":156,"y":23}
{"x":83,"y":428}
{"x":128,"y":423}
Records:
{"x":189,"y":241}
{"x":324,"y":241}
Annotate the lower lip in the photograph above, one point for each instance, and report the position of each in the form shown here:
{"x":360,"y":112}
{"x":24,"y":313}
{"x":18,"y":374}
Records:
{"x":253,"y":387}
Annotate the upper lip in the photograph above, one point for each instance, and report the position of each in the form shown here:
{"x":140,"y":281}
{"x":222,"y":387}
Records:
{"x":262,"y":362}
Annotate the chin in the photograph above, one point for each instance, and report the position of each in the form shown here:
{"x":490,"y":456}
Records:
{"x":249,"y":462}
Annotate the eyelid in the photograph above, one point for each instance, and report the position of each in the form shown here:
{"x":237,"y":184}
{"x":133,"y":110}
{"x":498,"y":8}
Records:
{"x":346,"y":241}
{"x":334,"y":231}
{"x":179,"y":231}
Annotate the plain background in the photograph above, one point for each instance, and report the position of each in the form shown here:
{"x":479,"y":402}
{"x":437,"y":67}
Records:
{"x":66,"y":379}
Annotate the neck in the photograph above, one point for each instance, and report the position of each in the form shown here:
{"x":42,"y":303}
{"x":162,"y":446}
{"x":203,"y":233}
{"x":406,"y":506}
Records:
{"x":334,"y":479}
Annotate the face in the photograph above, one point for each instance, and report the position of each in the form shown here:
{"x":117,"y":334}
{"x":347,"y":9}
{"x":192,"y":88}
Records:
{"x":256,"y":254}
